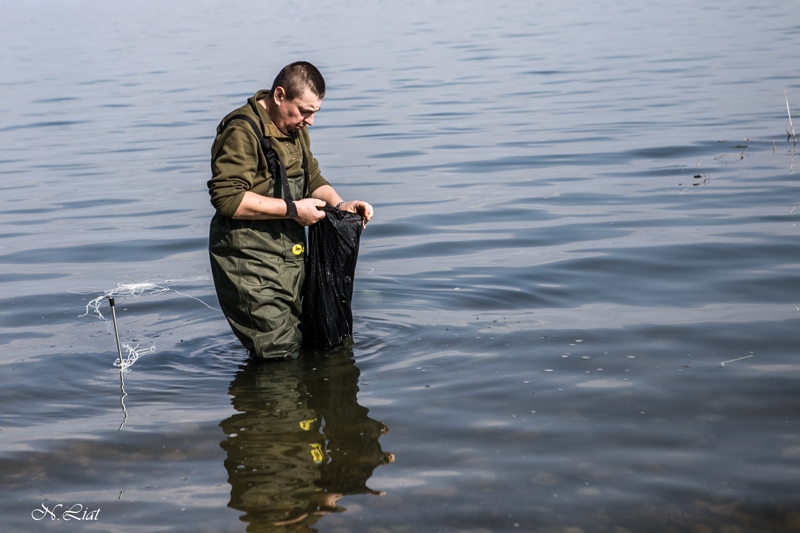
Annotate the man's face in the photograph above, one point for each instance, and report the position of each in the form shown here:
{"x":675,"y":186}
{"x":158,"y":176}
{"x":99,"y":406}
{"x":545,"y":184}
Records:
{"x":294,"y":115}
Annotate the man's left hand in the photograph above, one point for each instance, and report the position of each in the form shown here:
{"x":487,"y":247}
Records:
{"x":360,"y":207}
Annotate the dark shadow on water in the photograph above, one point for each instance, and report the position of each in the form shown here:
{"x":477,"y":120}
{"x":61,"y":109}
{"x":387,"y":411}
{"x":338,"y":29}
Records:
{"x":299,"y":441}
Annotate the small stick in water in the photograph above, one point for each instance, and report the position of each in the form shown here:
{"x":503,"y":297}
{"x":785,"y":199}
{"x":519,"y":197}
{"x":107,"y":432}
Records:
{"x":790,"y":116}
{"x":116,"y":331}
{"x":739,"y":359}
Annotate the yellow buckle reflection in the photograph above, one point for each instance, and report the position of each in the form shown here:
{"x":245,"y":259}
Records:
{"x":316,"y":453}
{"x":297,"y":249}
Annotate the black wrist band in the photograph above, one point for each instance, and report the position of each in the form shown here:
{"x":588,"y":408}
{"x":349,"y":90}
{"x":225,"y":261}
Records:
{"x":291,"y":209}
{"x":339,"y":205}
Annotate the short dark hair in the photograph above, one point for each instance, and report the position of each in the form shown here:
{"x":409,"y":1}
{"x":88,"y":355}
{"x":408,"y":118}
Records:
{"x":296,"y":77}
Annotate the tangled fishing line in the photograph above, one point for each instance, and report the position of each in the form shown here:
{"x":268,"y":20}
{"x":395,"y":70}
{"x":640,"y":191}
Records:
{"x":132,"y":352}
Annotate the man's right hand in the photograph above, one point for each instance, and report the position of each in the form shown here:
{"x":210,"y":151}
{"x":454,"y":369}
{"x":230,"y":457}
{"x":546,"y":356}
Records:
{"x":309,"y":211}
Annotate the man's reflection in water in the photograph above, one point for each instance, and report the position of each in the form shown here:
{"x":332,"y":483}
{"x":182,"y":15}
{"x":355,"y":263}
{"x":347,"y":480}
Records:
{"x":299,"y":441}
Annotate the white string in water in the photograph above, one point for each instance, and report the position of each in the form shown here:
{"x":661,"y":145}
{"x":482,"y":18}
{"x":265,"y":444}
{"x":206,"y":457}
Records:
{"x":131,"y":289}
{"x":133,"y":354}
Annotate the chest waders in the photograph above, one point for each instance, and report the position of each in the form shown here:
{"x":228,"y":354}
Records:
{"x":258,"y":266}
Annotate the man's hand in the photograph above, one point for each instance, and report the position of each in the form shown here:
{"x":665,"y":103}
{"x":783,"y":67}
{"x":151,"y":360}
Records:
{"x":360,"y":207}
{"x":329,"y":196}
{"x":309,"y":211}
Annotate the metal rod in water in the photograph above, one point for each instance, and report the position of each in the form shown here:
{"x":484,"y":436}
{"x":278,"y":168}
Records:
{"x":116,"y":331}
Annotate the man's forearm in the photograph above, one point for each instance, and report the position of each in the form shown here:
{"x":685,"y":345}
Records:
{"x":327,"y":194}
{"x":256,"y":207}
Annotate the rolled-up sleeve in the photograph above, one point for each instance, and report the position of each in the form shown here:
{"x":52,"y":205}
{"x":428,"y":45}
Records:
{"x":234,"y":165}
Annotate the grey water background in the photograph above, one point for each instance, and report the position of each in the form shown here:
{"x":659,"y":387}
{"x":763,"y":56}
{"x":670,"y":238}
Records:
{"x":582,"y":210}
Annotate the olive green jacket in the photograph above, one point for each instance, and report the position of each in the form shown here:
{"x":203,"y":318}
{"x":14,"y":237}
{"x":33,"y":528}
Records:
{"x":238,"y":164}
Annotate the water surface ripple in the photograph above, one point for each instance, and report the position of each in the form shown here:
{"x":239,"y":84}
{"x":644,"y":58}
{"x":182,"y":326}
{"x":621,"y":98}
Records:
{"x":576,"y":309}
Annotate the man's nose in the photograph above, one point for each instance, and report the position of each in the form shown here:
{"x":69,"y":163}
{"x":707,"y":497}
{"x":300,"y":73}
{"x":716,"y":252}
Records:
{"x":309,"y":120}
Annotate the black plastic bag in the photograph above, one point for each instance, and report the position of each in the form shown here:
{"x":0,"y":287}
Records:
{"x":327,"y":318}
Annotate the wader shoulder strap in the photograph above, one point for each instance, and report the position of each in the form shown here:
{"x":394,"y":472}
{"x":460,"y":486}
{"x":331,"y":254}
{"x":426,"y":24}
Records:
{"x":274,"y":164}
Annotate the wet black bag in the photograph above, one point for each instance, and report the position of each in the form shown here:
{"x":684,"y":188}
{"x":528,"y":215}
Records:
{"x":327,"y":318}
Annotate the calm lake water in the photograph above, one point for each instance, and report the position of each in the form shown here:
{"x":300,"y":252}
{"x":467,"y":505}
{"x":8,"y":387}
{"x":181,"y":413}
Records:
{"x":577,"y":307}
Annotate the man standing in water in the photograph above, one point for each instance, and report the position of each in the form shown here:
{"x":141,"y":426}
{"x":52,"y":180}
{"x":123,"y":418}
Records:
{"x":266,"y":186}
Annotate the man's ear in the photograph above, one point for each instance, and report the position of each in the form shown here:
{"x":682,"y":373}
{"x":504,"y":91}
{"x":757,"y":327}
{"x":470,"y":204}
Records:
{"x":279,"y":94}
